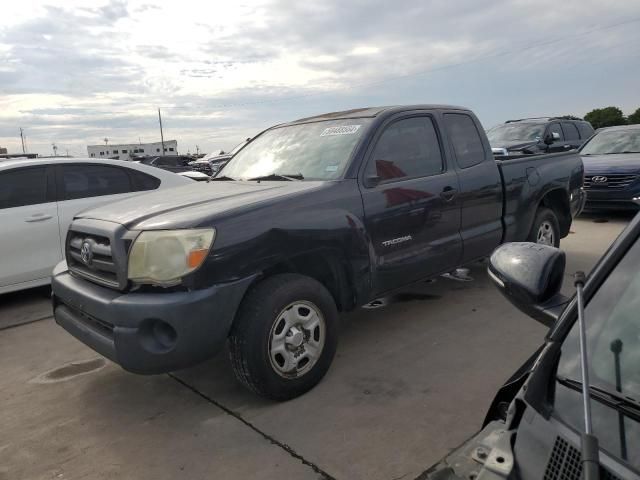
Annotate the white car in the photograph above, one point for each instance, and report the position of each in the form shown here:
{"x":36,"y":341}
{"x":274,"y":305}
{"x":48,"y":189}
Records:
{"x":39,"y":197}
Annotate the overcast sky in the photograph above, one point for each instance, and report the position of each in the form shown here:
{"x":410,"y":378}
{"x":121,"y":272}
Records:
{"x":222,"y":71}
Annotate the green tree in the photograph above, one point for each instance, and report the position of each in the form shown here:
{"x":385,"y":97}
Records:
{"x":634,"y":117}
{"x":605,"y":117}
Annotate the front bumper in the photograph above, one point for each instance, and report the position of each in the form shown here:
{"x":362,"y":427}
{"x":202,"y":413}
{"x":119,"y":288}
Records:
{"x":146,"y":333}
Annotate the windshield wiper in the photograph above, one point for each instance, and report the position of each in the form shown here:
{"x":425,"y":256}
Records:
{"x":279,"y":176}
{"x":613,"y":399}
{"x":221,"y":178}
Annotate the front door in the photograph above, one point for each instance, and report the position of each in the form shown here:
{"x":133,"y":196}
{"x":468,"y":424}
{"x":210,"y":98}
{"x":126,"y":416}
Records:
{"x":410,"y":197}
{"x":30,"y":245}
{"x":559,"y":144}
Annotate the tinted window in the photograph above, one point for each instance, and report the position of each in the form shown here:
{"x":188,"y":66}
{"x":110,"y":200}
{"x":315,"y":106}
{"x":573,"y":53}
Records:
{"x":570,"y":131}
{"x":406,"y":149}
{"x":586,"y":130}
{"x":81,"y":181}
{"x":465,"y":138}
{"x":142,"y":181}
{"x":555,"y":128}
{"x":23,"y":186}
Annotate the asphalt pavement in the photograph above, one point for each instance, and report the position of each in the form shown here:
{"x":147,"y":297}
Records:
{"x":411,"y":381}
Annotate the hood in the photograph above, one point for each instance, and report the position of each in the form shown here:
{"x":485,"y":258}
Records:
{"x":612,"y":163}
{"x":190,"y":205}
{"x":514,"y":144}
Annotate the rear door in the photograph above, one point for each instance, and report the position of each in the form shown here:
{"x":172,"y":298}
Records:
{"x":82,"y":186}
{"x":480,"y":185}
{"x":412,"y":211}
{"x":30,"y":242}
{"x":571,"y":136}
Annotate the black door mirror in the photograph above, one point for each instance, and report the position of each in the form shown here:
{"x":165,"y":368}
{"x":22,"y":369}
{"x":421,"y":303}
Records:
{"x":530,"y":276}
{"x":551,"y":137}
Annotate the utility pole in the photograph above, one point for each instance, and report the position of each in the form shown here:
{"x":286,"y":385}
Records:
{"x":197,"y":150}
{"x":55,"y":149}
{"x":161,"y":135}
{"x":22,"y":140}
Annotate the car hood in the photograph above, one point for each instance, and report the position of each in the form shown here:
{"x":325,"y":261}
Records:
{"x":196,"y":204}
{"x":613,"y":163}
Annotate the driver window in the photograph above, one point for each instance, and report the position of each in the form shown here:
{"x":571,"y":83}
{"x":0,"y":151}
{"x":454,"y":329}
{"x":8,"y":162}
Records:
{"x":555,"y":128}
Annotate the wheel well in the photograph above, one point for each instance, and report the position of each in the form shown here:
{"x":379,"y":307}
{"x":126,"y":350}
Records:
{"x":329,"y":270}
{"x":558,"y":201}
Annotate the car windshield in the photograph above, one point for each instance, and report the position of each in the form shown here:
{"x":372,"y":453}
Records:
{"x":312,"y":151}
{"x":613,"y":141}
{"x":613,"y":346}
{"x":512,"y":132}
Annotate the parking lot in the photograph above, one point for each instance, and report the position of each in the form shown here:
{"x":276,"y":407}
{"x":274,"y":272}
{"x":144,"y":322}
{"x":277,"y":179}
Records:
{"x":411,"y":381}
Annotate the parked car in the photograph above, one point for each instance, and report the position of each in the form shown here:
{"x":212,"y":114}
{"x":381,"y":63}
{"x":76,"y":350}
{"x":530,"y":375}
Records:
{"x":528,"y":136}
{"x":38,"y":199}
{"x":535,"y":423}
{"x":194,"y":175}
{"x":312,"y":217}
{"x":172,"y":163}
{"x":212,"y":164}
{"x":612,"y":168}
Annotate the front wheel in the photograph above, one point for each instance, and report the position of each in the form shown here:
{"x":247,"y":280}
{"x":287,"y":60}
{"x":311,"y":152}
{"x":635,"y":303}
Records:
{"x":284,"y":337}
{"x":546,"y":228}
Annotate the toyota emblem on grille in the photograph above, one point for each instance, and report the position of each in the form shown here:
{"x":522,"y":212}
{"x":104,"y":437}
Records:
{"x":599,"y":179}
{"x":86,"y":253}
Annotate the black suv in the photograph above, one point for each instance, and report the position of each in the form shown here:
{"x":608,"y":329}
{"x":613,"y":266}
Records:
{"x":539,"y":135}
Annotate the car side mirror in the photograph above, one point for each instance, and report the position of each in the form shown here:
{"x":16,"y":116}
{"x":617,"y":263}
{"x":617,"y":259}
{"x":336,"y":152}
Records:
{"x":530,"y":276}
{"x":551,"y":137}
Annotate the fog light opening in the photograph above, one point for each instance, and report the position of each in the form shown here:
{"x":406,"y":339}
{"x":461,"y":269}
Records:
{"x":157,"y":336}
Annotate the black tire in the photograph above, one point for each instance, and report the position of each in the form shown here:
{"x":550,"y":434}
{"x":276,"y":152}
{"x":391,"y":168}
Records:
{"x":545,"y":219}
{"x":250,"y":337}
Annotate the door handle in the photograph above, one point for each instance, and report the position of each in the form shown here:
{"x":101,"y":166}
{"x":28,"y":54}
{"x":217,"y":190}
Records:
{"x":38,"y":217}
{"x":567,"y":147}
{"x":448,"y":193}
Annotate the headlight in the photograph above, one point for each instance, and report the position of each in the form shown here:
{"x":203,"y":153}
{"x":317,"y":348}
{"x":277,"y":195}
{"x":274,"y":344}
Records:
{"x":163,"y":257}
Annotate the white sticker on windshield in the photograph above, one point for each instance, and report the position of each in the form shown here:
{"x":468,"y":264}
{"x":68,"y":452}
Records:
{"x":343,"y":130}
{"x":331,"y":168}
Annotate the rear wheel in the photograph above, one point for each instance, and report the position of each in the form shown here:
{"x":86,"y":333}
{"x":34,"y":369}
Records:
{"x":284,"y":337}
{"x":546,"y":228}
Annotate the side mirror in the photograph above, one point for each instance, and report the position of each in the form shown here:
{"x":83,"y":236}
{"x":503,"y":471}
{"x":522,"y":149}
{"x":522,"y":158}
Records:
{"x":530,"y":276}
{"x":551,"y":137}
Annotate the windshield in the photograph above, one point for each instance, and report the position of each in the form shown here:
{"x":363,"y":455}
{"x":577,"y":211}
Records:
{"x":613,"y":345}
{"x":315,"y":151}
{"x":512,"y":132}
{"x":613,"y":141}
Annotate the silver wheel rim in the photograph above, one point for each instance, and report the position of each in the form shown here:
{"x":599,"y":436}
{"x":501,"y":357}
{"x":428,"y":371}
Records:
{"x":546,"y":235}
{"x":296,"y":339}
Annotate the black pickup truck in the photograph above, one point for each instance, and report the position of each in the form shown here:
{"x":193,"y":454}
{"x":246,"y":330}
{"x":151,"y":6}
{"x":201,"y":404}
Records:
{"x":312,"y":217}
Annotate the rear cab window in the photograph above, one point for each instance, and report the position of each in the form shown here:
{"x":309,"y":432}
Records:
{"x":465,"y":138}
{"x":407,"y":148}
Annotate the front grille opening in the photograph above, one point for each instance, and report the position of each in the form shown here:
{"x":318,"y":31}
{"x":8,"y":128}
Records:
{"x":614,"y":181}
{"x":99,"y":265}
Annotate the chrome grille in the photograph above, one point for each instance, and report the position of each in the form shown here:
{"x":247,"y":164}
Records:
{"x":97,"y":252}
{"x":614,"y":181}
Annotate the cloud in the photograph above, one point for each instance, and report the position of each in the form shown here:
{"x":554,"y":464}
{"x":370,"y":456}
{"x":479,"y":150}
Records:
{"x":223,"y":69}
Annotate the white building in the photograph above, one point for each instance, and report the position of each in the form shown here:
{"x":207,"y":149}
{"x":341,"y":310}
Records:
{"x":132,"y":150}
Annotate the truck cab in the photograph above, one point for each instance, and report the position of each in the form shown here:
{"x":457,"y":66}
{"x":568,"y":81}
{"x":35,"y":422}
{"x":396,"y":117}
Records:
{"x":534,"y":426}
